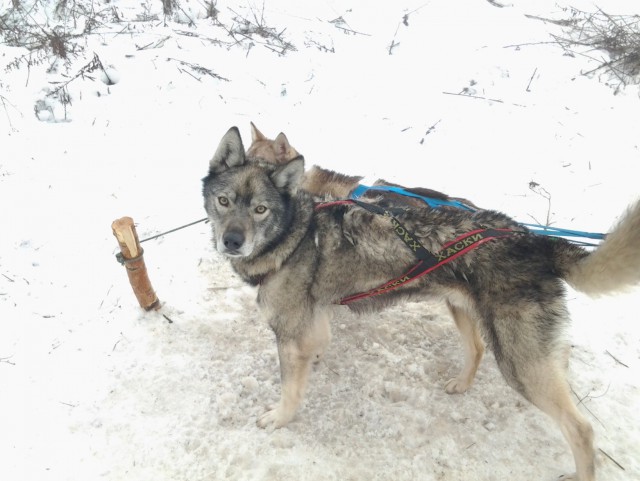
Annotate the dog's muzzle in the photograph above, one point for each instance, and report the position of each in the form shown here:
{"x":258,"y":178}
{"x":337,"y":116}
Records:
{"x":232,"y":243}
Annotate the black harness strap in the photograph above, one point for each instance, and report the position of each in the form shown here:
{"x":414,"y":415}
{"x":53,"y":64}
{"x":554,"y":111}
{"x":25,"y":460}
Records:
{"x":428,"y":261}
{"x":405,"y":236}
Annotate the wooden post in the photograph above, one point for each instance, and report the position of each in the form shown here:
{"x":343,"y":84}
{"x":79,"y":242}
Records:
{"x":132,"y":257}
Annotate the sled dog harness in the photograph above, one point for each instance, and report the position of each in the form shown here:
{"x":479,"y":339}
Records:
{"x":427,"y":261}
{"x":434,"y":203}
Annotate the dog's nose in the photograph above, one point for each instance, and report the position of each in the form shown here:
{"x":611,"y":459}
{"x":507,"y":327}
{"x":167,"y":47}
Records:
{"x":233,"y":240}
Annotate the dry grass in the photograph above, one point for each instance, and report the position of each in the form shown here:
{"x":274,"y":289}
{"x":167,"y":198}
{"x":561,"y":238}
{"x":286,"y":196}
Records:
{"x":613,"y":41}
{"x":251,"y":30}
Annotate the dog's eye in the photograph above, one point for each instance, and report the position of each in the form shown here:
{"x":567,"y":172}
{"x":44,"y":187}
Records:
{"x":223,"y":201}
{"x":261,"y":209}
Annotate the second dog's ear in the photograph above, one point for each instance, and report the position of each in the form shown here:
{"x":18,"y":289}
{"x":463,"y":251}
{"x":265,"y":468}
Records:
{"x":288,"y":176}
{"x":230,"y":152}
{"x":256,"y":134}
{"x":284,"y":151}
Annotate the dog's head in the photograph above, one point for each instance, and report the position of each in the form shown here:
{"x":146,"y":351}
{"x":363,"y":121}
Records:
{"x":277,"y":151}
{"x":248,"y":202}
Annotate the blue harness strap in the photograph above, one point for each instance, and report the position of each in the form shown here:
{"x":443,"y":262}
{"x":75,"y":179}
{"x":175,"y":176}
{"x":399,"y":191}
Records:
{"x":434,"y":203}
{"x":548,"y":230}
{"x":431,"y":202}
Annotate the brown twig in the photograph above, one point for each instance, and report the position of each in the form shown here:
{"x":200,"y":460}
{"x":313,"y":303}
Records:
{"x":528,"y":89}
{"x":189,"y":73}
{"x":580,"y":401}
{"x":4,"y":101}
{"x":613,"y":460}
{"x":405,"y":22}
{"x":247,"y":28}
{"x":429,"y":130}
{"x":354,"y":32}
{"x":199,"y":69}
{"x":186,"y":33}
{"x":541,"y":191}
{"x":616,"y":359}
{"x":562,"y":23}
{"x":93,"y":65}
{"x":474,"y":97}
{"x":157,"y":44}
{"x":393,"y":45}
{"x":7,"y":361}
{"x":495,"y":4}
{"x":8,"y":278}
{"x":528,"y":44}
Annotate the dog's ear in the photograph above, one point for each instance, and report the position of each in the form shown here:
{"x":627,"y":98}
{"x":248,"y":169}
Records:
{"x":282,"y":147}
{"x":288,"y":176}
{"x":230,"y":152}
{"x":256,"y":134}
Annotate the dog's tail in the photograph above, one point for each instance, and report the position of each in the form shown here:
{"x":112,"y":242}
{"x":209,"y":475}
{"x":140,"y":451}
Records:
{"x":613,"y":266}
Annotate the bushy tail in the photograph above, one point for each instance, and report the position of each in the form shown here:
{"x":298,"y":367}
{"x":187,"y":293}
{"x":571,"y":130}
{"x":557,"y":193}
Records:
{"x":615,"y":264}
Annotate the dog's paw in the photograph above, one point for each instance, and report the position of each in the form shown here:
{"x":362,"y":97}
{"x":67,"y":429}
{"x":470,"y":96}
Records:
{"x":275,"y":418}
{"x":456,"y":386}
{"x":568,"y":477}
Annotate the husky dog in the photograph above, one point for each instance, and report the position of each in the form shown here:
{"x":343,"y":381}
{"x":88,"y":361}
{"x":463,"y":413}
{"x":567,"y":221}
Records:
{"x":324,"y":183}
{"x":507,"y":293}
{"x":278,"y":150}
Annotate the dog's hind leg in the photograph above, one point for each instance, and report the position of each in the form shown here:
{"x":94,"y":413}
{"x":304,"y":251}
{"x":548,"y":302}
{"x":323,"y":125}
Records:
{"x":546,"y":386}
{"x":473,"y":349}
{"x":542,"y":380}
{"x":296,"y":355}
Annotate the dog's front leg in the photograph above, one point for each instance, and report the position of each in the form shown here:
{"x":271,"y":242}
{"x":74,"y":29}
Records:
{"x":295,"y":363}
{"x":296,"y":354}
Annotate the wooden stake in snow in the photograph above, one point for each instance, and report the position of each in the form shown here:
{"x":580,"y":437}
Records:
{"x":132,"y":258}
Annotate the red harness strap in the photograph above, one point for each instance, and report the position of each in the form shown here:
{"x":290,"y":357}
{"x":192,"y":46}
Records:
{"x":428,"y":261}
{"x":449,"y":252}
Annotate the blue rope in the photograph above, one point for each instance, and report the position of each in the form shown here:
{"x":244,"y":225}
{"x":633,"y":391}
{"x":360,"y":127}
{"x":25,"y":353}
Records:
{"x":434,"y":203}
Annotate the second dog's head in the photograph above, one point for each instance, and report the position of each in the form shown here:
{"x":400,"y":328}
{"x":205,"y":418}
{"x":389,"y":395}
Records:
{"x":277,"y":151}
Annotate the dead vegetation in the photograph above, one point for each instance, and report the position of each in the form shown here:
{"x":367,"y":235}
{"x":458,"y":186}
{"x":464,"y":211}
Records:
{"x":53,"y":35}
{"x":58,"y":28}
{"x":252,"y":30}
{"x":44,"y":31}
{"x":612,"y":41}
